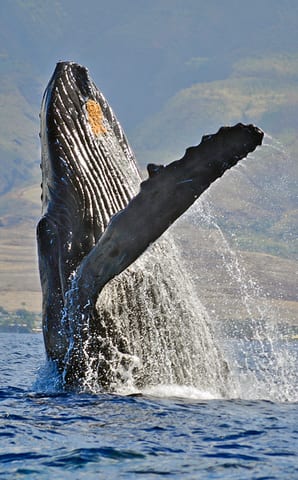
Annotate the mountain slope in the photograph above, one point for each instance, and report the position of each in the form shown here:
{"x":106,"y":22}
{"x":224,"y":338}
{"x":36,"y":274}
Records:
{"x":173,"y":70}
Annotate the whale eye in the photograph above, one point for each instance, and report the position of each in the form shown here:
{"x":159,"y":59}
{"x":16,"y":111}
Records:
{"x":95,"y":117}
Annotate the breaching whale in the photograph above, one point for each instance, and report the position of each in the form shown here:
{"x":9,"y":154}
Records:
{"x":98,"y":218}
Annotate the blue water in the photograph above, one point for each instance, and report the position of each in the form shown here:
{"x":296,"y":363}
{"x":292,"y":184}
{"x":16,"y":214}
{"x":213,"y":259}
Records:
{"x":171,"y":434}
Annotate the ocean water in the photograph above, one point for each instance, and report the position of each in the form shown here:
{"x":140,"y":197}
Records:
{"x":163,"y":432}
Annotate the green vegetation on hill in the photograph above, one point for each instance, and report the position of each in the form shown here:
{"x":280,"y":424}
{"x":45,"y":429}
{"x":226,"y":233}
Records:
{"x":256,"y":206}
{"x":20,"y":320}
{"x":19,"y":134}
{"x":259,"y":90}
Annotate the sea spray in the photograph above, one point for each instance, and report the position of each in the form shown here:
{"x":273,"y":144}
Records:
{"x":174,"y":347}
{"x":170,"y":341}
{"x":173,"y":343}
{"x":264,"y":365}
{"x":262,"y":359}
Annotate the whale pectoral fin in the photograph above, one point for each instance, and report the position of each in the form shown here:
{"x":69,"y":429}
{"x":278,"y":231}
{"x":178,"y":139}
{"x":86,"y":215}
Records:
{"x":163,"y":197}
{"x":48,"y":254}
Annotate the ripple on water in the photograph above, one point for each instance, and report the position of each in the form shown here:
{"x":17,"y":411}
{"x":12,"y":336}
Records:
{"x":83,"y":456}
{"x":176,"y":432}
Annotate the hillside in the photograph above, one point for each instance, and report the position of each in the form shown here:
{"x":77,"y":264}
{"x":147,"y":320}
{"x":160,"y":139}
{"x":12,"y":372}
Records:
{"x":213,"y":62}
{"x":236,"y":285}
{"x":19,"y":282}
{"x":173,"y":70}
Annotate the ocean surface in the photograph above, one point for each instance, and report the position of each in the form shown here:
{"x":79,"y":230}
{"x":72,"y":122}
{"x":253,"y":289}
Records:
{"x":170,"y":432}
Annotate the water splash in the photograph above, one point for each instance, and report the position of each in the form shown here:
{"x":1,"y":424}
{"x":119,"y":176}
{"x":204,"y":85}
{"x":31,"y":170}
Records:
{"x":264,"y":364}
{"x":157,"y":338}
{"x":262,"y":358}
{"x":155,"y":330}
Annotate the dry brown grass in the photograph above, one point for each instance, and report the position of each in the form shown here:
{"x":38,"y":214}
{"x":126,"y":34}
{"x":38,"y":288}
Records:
{"x":268,"y":281}
{"x":19,"y":281}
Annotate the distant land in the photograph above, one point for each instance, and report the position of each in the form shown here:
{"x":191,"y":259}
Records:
{"x":173,"y":71}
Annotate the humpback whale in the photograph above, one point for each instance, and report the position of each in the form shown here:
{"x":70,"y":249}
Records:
{"x":108,"y":310}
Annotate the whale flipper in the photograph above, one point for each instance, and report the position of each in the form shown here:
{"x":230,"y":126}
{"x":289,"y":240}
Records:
{"x":163,"y":197}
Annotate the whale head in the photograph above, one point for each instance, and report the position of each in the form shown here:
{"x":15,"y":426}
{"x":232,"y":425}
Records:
{"x":88,"y":168}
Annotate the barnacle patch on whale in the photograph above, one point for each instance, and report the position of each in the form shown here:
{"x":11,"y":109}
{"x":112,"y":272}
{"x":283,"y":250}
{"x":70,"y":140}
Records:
{"x":95,"y":117}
